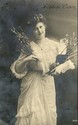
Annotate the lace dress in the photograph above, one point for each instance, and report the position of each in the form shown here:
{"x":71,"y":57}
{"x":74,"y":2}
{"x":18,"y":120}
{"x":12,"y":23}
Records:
{"x":37,"y":101}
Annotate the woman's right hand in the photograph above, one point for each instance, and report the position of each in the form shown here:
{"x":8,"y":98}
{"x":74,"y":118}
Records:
{"x":21,"y":64}
{"x":31,"y":58}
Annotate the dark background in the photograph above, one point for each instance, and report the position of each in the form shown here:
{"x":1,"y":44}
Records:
{"x":61,"y":19}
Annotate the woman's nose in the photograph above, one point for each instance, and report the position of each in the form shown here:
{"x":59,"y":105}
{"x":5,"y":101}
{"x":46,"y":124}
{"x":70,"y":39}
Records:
{"x":39,"y":30}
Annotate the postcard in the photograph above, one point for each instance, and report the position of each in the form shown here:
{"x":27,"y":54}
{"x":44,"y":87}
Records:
{"x":38,"y":62}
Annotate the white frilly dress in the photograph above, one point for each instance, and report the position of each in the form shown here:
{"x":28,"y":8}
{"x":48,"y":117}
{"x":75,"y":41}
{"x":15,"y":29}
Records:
{"x":37,"y":101}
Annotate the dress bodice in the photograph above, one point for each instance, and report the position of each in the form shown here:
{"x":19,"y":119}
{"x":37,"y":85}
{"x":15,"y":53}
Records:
{"x":47,"y":51}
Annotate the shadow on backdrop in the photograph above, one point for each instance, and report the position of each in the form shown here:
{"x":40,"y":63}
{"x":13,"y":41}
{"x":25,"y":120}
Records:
{"x":60,"y":21}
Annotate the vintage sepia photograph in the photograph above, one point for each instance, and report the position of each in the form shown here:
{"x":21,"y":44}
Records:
{"x":38,"y":62}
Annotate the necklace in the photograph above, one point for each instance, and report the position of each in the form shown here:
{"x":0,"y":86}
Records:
{"x":39,"y":44}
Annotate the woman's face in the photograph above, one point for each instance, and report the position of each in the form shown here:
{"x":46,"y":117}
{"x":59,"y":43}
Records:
{"x":39,"y":31}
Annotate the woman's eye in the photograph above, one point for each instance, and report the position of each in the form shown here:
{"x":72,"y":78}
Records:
{"x":40,"y":26}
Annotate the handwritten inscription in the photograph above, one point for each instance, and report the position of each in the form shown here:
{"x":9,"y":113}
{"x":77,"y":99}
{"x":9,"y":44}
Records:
{"x":55,"y":6}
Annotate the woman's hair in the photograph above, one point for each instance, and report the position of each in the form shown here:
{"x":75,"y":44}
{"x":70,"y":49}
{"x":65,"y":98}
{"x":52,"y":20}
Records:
{"x":32,"y":23}
{"x":36,"y":19}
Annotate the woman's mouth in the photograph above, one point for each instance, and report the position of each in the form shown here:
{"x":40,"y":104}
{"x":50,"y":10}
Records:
{"x":40,"y":33}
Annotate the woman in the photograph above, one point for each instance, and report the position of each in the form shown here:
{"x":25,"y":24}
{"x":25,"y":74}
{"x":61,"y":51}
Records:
{"x":37,"y":102}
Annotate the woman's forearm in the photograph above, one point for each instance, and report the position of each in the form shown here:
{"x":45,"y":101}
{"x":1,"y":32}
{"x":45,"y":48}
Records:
{"x":38,"y":66}
{"x":33,"y":65}
{"x":20,"y":66}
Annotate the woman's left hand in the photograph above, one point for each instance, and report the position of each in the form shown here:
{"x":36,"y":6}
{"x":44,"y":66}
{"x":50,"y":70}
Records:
{"x":56,"y":71}
{"x":62,"y":68}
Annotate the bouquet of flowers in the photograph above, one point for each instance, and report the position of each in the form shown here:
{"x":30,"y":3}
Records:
{"x":71,"y":53}
{"x":25,"y":43}
{"x":71,"y":47}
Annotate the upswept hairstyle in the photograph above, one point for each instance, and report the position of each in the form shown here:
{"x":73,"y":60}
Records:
{"x":36,"y":19}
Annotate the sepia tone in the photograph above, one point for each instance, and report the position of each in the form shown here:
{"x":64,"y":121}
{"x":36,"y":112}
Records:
{"x":61,"y":19}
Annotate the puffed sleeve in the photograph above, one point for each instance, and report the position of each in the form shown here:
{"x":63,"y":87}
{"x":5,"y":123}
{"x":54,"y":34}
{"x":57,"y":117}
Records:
{"x":64,"y":63}
{"x":62,"y":46}
{"x":67,"y":65}
{"x":13,"y":67}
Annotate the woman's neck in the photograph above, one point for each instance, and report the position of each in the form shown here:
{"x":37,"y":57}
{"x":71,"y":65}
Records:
{"x":40,"y":41}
